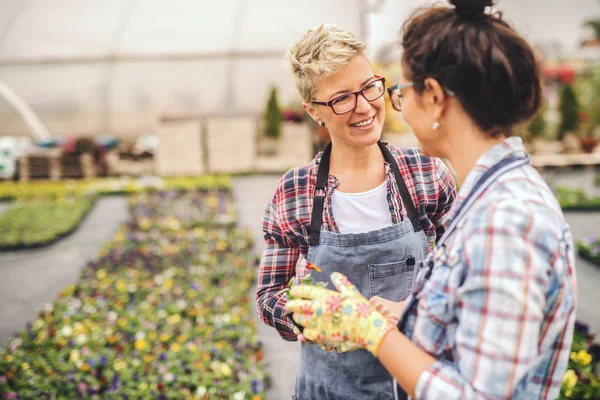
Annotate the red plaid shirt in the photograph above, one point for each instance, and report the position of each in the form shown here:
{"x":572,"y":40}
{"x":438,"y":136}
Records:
{"x":286,"y":222}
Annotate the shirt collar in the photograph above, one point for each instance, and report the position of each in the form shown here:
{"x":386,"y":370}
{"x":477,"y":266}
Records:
{"x":512,"y":146}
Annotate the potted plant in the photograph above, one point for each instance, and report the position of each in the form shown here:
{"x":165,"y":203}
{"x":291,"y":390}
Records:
{"x":272,"y":120}
{"x":569,"y":117}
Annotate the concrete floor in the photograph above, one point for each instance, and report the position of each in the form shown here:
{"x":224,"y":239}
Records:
{"x":29,"y":279}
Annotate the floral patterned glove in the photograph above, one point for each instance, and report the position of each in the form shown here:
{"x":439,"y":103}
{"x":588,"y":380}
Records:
{"x":340,"y":317}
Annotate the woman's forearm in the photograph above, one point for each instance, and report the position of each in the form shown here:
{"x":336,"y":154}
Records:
{"x":404,"y":360}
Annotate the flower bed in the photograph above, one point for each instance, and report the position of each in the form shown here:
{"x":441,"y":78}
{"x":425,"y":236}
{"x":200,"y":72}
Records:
{"x":174,"y":210}
{"x":163,"y":313}
{"x":589,"y":248}
{"x":581,"y":380}
{"x":576,"y":200}
{"x":109,"y":186}
{"x":41,"y":222}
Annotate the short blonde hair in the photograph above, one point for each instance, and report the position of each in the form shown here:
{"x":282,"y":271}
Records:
{"x":320,"y":52}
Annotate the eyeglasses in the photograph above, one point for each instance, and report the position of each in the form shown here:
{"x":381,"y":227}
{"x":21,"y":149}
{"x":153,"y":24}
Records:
{"x":347,"y":102}
{"x":395,"y":93}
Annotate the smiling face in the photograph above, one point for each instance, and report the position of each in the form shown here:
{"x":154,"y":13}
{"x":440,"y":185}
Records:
{"x":358,"y":128}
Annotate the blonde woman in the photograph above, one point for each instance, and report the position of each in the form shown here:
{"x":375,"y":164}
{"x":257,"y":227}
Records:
{"x":361,"y":207}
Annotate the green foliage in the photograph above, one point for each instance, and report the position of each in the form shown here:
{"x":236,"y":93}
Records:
{"x":273,"y":115}
{"x":581,"y":380}
{"x":569,"y":111}
{"x":589,"y":248}
{"x":35,"y":223}
{"x":576,"y":200}
{"x":537,"y":126}
{"x":594,"y":25}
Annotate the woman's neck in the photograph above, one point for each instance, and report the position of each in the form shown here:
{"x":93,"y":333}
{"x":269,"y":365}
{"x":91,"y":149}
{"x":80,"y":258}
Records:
{"x":346,"y":158}
{"x":357,"y":169}
{"x":466,"y":149}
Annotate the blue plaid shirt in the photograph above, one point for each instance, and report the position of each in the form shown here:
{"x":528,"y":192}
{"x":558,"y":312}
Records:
{"x":498,"y":309}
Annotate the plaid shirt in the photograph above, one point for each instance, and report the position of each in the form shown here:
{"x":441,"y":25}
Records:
{"x":286,"y":221}
{"x":498,"y":310}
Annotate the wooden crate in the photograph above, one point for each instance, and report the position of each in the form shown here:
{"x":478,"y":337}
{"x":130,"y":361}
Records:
{"x":54,"y":165}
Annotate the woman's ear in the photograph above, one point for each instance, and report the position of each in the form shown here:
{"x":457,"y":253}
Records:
{"x":311,"y":111}
{"x":435,"y":98}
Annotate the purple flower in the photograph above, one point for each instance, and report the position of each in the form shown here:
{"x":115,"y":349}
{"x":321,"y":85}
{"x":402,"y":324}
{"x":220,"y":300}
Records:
{"x":103,"y":360}
{"x":93,"y":362}
{"x":2,"y":379}
{"x":162,"y":357}
{"x":255,"y":386}
{"x":115,"y":382}
{"x":582,"y":327}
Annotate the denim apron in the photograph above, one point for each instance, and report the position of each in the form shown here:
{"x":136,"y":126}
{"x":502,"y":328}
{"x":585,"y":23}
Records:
{"x":426,"y":267}
{"x":379,"y":263}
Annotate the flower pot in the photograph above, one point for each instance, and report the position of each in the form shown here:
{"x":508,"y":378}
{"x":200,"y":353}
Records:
{"x":588,"y":144}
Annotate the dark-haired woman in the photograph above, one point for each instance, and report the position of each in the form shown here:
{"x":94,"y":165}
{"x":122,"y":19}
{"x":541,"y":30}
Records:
{"x":492,"y":310}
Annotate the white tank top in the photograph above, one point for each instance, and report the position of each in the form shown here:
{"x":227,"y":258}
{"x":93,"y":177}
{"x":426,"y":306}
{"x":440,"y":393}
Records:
{"x":361,"y":212}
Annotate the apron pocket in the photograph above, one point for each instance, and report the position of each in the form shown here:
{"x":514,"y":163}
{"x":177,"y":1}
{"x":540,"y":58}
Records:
{"x":392,"y":281}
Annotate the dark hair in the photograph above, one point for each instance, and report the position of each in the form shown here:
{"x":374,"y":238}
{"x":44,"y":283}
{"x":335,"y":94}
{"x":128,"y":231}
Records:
{"x":478,"y":56}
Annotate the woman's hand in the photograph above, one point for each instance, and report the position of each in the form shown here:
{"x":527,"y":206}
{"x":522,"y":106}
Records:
{"x":342,"y":317}
{"x":389,"y":309}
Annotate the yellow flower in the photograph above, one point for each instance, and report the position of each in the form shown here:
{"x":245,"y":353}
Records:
{"x":119,"y":237}
{"x":74,"y":355}
{"x":573,"y":356}
{"x":85,"y":367}
{"x":145,"y":224}
{"x":8,"y":358}
{"x":148,"y":358}
{"x":164,"y":337}
{"x":174,"y":319}
{"x":25,"y":366}
{"x":140,"y":344}
{"x":119,"y":365}
{"x":198,"y":232}
{"x":168,"y":283}
{"x":121,"y":286}
{"x":192,"y":347}
{"x":143,"y":386}
{"x":212,"y":202}
{"x":182,"y":338}
{"x":101,"y":274}
{"x":221,"y":245}
{"x":122,"y":321}
{"x":570,"y":379}
{"x":584,"y":357}
{"x":256,"y":397}
{"x":175,"y":347}
{"x":38,"y":324}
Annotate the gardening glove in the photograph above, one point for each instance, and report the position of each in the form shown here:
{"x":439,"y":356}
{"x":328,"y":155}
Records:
{"x":332,"y":347}
{"x":341,"y":317}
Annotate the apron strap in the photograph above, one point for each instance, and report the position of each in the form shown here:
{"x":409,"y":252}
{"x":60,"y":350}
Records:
{"x":411,"y":211}
{"x":316,"y":220}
